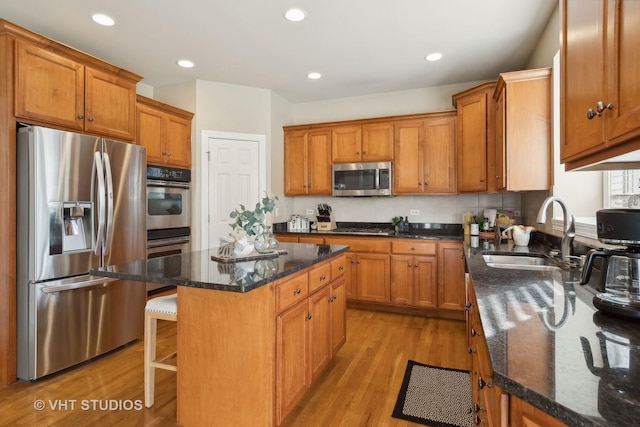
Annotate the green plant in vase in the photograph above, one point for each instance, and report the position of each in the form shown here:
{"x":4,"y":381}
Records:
{"x":253,"y":224}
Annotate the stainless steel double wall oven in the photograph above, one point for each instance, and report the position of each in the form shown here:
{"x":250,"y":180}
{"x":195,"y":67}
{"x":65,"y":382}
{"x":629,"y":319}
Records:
{"x":168,"y":217}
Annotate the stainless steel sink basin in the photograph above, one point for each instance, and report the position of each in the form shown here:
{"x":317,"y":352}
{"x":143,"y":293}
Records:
{"x":512,"y":261}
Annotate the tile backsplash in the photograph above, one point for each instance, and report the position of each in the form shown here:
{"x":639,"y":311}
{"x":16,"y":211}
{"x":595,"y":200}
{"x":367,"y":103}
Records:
{"x":426,"y":209}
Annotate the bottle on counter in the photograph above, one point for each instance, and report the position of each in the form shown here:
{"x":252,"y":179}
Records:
{"x":485,"y":224}
{"x":404,"y":225}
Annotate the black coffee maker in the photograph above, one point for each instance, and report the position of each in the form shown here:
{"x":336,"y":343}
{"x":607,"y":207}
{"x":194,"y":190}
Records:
{"x":619,"y":286}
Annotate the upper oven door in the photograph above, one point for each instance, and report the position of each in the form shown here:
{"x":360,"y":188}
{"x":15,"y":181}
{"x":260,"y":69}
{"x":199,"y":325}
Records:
{"x":168,"y":204}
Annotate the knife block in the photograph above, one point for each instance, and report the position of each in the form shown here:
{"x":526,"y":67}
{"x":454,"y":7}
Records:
{"x":326,"y":223}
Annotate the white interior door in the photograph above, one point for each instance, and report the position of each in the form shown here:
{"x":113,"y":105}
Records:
{"x":234,"y":174}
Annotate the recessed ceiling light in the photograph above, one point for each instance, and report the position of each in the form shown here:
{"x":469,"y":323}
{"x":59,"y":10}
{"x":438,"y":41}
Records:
{"x":433,"y":57}
{"x":294,"y":15}
{"x":102,"y":19}
{"x":185,"y":63}
{"x":314,"y":76}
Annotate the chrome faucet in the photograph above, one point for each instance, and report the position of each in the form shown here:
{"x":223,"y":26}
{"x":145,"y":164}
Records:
{"x":569,"y":225}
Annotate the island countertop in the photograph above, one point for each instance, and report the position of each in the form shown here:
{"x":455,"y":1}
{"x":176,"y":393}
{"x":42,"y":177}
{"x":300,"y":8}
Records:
{"x":551,"y":347}
{"x":197,"y":269}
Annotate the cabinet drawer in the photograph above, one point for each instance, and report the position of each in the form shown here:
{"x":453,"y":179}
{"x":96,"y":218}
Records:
{"x":412,"y":247}
{"x":319,"y":276}
{"x":337,"y":267}
{"x":291,"y":291}
{"x":311,"y":239}
{"x":362,"y":244}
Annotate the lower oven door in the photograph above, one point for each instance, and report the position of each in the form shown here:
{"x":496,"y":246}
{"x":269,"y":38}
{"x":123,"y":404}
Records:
{"x":165,"y":247}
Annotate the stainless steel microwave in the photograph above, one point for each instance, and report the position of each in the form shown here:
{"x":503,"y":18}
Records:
{"x":362,"y":179}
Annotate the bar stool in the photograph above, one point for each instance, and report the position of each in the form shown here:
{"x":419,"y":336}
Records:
{"x":165,"y":308}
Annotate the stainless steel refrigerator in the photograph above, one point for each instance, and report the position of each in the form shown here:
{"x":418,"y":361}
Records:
{"x":81,"y":205}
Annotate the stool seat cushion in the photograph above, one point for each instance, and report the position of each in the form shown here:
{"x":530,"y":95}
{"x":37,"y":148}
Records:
{"x":167,"y":304}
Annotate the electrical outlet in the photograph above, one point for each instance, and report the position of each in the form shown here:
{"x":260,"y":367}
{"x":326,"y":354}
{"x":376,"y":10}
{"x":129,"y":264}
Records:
{"x":414,"y":212}
{"x":516,"y":214}
{"x":309,"y":211}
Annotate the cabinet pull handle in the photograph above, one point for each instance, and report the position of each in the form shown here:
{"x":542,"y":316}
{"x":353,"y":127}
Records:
{"x":308,"y":316}
{"x":600,"y":107}
{"x":81,"y":116}
{"x":477,"y":420}
{"x":481,"y":383}
{"x":297,"y":291}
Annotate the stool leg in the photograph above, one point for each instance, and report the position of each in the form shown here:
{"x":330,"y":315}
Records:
{"x":150,"y":328}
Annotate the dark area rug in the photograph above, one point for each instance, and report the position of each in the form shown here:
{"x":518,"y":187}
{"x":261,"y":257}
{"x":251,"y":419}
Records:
{"x":433,"y":396}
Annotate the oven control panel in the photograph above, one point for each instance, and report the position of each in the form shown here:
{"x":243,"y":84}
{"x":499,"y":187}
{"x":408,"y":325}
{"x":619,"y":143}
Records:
{"x":168,"y":174}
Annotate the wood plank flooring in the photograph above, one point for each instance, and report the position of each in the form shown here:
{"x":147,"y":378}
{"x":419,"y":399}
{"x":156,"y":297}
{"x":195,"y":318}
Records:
{"x":359,"y":388}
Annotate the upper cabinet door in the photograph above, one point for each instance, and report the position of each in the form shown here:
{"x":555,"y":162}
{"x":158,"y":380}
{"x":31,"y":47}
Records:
{"x":295,"y":163}
{"x":377,"y":142}
{"x":440,"y":155}
{"x":580,"y":90}
{"x":149,"y":132}
{"x":346,"y":142}
{"x":49,"y":87}
{"x":408,"y":171}
{"x":319,"y":162}
{"x":472,"y":142}
{"x":622,"y":122}
{"x":177,"y":136}
{"x":109,"y":105}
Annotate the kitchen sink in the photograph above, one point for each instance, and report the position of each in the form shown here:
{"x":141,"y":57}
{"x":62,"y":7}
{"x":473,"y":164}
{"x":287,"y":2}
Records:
{"x":537,"y":262}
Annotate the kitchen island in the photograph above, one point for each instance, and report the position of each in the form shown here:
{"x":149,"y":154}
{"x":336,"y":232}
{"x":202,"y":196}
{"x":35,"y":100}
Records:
{"x":252,"y":335}
{"x":550,"y":347}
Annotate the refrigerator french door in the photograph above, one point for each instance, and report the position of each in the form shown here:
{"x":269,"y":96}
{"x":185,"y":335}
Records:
{"x":81,"y":205}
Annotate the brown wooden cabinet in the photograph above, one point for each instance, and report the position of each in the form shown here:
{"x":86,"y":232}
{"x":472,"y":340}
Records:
{"x":57,"y":90}
{"x":307,"y":162}
{"x":522,"y":414}
{"x":424,"y":153}
{"x":362,"y":143}
{"x":474,"y":138}
{"x":310,"y":329}
{"x":599,"y":109}
{"x":165,"y":131}
{"x":414,"y":274}
{"x":523,"y":131}
{"x":451,"y":287}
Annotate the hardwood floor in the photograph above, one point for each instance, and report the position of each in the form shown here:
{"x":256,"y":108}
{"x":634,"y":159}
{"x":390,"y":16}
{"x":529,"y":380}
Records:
{"x":359,"y":388}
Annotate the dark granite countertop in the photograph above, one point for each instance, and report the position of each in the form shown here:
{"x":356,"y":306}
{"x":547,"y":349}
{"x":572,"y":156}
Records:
{"x":551,"y":347}
{"x":196,"y":269}
{"x":427,"y":231}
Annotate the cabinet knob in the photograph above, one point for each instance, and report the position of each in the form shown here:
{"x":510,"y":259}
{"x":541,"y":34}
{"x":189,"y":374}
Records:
{"x":590,"y":114}
{"x":81,"y":116}
{"x":477,"y":408}
{"x":297,"y":291}
{"x":474,"y":332}
{"x":323,"y":277}
{"x":90,"y":119}
{"x":357,"y":152}
{"x":600,"y":107}
{"x":477,"y":420}
{"x":409,"y":265}
{"x":164,"y":153}
{"x":481,"y":180}
{"x":415,"y":265}
{"x":308,"y":316}
{"x":497,"y":176}
{"x":341,"y":268}
{"x":413,"y":249}
{"x":335,"y":297}
{"x":169,"y":154}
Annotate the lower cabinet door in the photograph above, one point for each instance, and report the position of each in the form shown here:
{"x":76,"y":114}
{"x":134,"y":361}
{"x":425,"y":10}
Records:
{"x":338,"y":315}
{"x":320,"y":330}
{"x":374,"y":277}
{"x":292,"y":354}
{"x":425,"y":282}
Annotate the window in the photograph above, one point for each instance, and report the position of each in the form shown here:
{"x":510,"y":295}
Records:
{"x":620,"y":187}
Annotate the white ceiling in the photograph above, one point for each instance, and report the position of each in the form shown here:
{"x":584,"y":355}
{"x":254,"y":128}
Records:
{"x":360,"y":46}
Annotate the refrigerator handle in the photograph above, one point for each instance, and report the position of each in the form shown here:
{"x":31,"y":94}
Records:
{"x":109,"y":194}
{"x":77,"y":285}
{"x":99,"y":174}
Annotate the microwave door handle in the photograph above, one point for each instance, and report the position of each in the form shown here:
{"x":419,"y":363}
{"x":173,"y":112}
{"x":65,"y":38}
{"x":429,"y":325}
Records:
{"x":377,"y":178}
{"x":98,"y":173}
{"x":109,"y":197}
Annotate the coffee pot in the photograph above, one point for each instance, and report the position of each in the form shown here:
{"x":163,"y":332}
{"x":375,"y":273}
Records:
{"x":619,"y":283}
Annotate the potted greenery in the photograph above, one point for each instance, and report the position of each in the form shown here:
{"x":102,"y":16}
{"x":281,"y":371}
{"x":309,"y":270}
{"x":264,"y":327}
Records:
{"x":253,"y":224}
{"x":396,"y":221}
